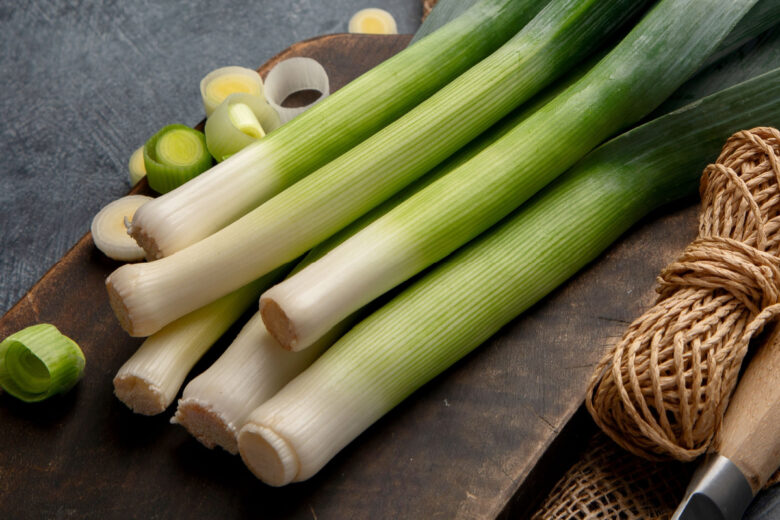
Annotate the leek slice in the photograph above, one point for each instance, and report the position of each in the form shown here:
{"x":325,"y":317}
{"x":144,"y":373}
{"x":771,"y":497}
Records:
{"x":109,"y":228}
{"x":372,"y":21}
{"x":136,"y":167}
{"x":240,"y":120}
{"x":38,"y":362}
{"x":294,"y":75}
{"x":472,"y":294}
{"x":220,"y":83}
{"x":174,"y":155}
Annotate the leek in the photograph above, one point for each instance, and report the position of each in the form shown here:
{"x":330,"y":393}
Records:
{"x":240,"y":120}
{"x":109,"y":228}
{"x":220,"y":83}
{"x":149,"y":381}
{"x":173,"y":156}
{"x":147,"y":297}
{"x":215,"y":404}
{"x":463,"y":301}
{"x":135,"y":166}
{"x":294,"y":75}
{"x":372,"y":21}
{"x":628,"y":83}
{"x":38,"y":362}
{"x":237,"y":185}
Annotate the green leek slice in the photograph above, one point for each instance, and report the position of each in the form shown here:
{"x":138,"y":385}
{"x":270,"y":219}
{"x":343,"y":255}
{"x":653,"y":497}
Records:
{"x":174,"y":155}
{"x":38,"y":362}
{"x":240,"y":120}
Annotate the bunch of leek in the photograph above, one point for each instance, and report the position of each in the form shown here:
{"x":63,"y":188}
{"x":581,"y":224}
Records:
{"x":145,"y":297}
{"x":468,"y":297}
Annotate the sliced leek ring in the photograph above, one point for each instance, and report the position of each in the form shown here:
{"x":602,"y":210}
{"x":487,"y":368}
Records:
{"x":109,"y":231}
{"x":174,"y":155}
{"x":373,"y":21}
{"x":238,"y":122}
{"x":38,"y":362}
{"x":136,"y":166}
{"x":220,"y":83}
{"x":294,"y":75}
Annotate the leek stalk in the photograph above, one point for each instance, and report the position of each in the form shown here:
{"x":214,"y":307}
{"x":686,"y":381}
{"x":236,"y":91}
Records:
{"x":628,"y":83}
{"x":463,"y":301}
{"x":347,"y":117}
{"x":215,"y":405}
{"x":146,"y":297}
{"x":149,"y":381}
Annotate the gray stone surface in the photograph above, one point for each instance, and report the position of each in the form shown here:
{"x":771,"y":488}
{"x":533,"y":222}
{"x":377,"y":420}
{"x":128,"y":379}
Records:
{"x":84,"y":83}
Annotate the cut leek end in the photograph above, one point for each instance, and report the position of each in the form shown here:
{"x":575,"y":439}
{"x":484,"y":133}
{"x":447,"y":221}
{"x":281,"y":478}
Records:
{"x":373,"y":21}
{"x":136,"y":167}
{"x":145,"y":241}
{"x":141,"y":396}
{"x":38,"y":362}
{"x":119,"y":284}
{"x":267,"y":454}
{"x":109,"y":228}
{"x":206,"y":424}
{"x":174,"y":155}
{"x":220,"y":83}
{"x":278,"y":324}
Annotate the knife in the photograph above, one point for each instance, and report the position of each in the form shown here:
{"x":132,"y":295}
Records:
{"x":749,"y":451}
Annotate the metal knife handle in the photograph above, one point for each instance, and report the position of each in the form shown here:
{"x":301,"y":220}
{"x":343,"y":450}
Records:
{"x":750,"y":437}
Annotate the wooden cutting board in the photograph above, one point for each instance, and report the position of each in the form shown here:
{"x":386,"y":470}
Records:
{"x":461,"y":447}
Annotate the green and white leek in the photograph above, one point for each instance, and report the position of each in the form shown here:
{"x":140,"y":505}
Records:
{"x":624,"y":86}
{"x":472,"y":294}
{"x":347,"y":117}
{"x":149,"y":381}
{"x":145,"y":298}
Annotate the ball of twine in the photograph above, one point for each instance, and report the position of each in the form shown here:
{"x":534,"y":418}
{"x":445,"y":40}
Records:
{"x":663,"y":389}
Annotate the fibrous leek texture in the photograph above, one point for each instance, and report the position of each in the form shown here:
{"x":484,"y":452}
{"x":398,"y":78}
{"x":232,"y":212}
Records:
{"x":214,"y":406}
{"x":239,"y":184}
{"x":149,"y":381}
{"x":316,"y":207}
{"x":471,"y":295}
{"x":648,"y":65}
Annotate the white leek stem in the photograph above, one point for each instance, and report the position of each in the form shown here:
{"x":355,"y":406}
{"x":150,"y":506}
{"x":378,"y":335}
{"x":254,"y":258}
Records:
{"x":149,"y":381}
{"x":215,"y":405}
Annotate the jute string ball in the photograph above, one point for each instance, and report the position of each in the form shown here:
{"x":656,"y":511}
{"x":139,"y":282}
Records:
{"x":662,"y":391}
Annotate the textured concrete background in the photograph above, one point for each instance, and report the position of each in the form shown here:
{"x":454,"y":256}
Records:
{"x":84,"y":83}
